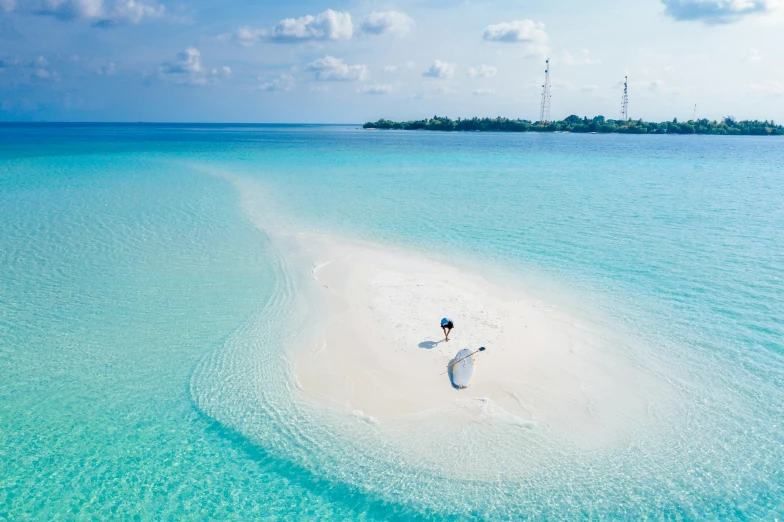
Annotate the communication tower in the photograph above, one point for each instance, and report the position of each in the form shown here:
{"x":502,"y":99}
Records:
{"x":544,"y":116}
{"x":625,"y":100}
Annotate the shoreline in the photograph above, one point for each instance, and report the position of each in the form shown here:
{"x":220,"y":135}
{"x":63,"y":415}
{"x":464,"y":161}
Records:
{"x":579,"y":384}
{"x":596,"y":125}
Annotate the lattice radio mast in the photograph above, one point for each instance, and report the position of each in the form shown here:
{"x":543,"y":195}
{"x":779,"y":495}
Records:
{"x":625,"y":100}
{"x":544,"y":116}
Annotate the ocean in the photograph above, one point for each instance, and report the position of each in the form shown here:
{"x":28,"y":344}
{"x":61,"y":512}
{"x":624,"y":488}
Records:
{"x":146,"y":314}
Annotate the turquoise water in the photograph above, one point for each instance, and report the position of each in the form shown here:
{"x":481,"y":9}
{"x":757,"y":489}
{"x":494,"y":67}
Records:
{"x":145,"y":314}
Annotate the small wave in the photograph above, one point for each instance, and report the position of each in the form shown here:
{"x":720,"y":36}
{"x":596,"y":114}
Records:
{"x":359,"y":414}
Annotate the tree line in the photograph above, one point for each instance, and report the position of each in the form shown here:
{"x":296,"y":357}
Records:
{"x":597,"y":124}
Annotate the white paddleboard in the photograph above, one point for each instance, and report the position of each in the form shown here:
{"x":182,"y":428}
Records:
{"x":462,"y":372}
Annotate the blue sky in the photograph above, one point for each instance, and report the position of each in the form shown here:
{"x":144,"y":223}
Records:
{"x":353,"y":61}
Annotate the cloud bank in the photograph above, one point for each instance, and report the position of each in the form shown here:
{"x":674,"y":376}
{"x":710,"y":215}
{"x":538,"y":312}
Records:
{"x":329,"y":25}
{"x":99,"y":12}
{"x":713,"y":11}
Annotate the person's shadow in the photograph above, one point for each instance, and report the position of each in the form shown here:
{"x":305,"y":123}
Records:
{"x":429,"y":345}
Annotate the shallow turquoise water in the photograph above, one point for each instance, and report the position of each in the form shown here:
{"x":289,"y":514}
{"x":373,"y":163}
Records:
{"x":138,"y":304}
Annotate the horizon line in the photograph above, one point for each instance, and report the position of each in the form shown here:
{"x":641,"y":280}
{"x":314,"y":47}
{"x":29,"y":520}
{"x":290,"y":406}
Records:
{"x":128,"y":122}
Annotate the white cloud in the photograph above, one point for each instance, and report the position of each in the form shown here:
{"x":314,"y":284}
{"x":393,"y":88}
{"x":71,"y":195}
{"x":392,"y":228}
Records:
{"x":752,"y":56}
{"x":714,"y":11}
{"x":329,"y":25}
{"x":100,"y":12}
{"x":330,"y":68}
{"x":482,"y":71}
{"x":375,"y":89}
{"x":188,"y":61}
{"x":391,"y":22}
{"x":520,"y":31}
{"x":440,"y":69}
{"x":284,"y":82}
{"x":483,"y":92}
{"x":132,"y":12}
{"x":247,"y":36}
{"x":529,"y":34}
{"x":188,"y":69}
{"x":396,"y":68}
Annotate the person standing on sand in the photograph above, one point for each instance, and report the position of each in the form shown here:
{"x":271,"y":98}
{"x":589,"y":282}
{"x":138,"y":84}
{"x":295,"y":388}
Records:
{"x":446,"y":326}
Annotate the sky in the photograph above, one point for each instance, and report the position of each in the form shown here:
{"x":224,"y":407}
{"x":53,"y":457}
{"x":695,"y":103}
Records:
{"x":340,"y":61}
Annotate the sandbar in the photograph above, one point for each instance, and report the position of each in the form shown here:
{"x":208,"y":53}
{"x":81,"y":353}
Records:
{"x":376,"y":349}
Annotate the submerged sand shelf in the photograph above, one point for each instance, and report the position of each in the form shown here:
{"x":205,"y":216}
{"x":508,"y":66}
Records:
{"x":376,"y":349}
{"x":363,"y":378}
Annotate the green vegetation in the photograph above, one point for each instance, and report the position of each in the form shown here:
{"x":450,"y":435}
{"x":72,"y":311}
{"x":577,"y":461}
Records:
{"x":597,"y":124}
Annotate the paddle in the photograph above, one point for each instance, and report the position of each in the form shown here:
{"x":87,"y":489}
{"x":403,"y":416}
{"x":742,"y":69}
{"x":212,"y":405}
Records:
{"x":481,"y":349}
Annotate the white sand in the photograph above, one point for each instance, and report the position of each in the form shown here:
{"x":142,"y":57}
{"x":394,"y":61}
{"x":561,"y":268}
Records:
{"x":377,"y":349}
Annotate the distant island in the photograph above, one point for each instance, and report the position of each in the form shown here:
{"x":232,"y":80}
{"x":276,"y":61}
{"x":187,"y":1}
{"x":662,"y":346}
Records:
{"x":597,"y":124}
